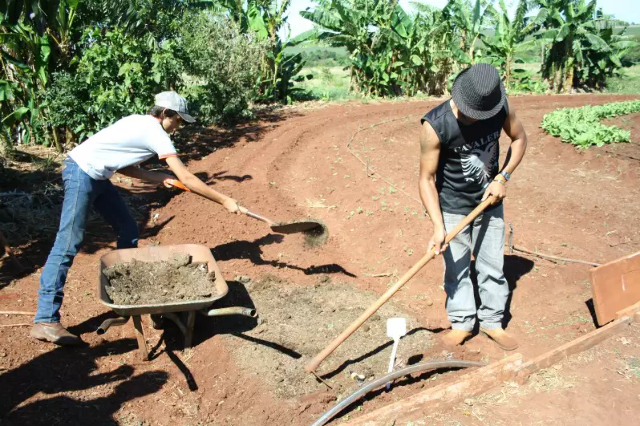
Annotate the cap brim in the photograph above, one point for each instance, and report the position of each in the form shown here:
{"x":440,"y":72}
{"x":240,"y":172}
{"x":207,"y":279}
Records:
{"x":187,"y":118}
{"x":458,"y":99}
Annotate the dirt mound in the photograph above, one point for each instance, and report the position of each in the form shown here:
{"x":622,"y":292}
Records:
{"x":300,"y":321}
{"x":143,"y":283}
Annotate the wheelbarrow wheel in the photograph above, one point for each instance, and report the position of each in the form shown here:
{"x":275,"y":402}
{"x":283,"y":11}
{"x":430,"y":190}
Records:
{"x":158,"y":322}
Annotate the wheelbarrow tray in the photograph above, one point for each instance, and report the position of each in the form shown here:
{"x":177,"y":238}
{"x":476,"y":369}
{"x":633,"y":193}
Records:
{"x":198,"y":253}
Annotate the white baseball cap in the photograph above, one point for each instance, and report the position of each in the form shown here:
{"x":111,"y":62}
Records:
{"x":171,"y":100}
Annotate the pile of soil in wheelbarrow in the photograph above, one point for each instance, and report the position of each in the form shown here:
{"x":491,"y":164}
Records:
{"x":174,"y":280}
{"x":297,"y":322}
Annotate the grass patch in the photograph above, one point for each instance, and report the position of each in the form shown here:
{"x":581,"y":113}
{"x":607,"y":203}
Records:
{"x":327,"y":84}
{"x":628,"y":83}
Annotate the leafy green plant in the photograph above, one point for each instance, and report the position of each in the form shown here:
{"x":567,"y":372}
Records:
{"x":225,"y":65}
{"x":582,"y":126}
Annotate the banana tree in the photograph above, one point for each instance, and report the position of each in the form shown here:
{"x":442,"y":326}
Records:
{"x":467,"y":20}
{"x":373,"y":32}
{"x":266,"y":19}
{"x":343,"y":25}
{"x":569,"y":29}
{"x":509,"y":38}
{"x":596,"y":61}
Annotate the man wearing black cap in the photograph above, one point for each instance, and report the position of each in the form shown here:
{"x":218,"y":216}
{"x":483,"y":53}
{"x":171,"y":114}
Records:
{"x":458,"y":170}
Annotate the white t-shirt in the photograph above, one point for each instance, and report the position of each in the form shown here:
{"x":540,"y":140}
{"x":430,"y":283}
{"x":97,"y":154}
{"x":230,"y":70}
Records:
{"x":128,"y":141}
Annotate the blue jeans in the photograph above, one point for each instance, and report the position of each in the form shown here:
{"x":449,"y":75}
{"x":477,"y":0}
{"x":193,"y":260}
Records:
{"x":80,"y":193}
{"x":484,"y":237}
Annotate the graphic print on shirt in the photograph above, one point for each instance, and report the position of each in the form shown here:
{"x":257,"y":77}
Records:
{"x":477,"y":165}
{"x":478,"y":158}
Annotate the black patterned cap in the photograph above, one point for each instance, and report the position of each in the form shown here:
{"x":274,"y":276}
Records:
{"x":478,"y":92}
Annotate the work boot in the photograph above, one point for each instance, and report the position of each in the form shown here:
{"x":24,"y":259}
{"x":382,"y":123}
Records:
{"x":501,"y":337}
{"x":455,"y":337}
{"x":54,"y":332}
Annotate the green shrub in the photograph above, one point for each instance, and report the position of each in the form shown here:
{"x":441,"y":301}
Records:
{"x":117,"y":75}
{"x":224,"y":65}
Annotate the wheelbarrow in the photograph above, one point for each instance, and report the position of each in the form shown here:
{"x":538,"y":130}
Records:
{"x":199,"y":254}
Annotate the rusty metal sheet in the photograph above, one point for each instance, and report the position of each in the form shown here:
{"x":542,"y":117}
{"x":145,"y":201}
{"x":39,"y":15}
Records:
{"x":615,"y":286}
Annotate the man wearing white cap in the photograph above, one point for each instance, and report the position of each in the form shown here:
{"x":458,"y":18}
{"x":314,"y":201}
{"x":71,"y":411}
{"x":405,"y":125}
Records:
{"x":117,"y":148}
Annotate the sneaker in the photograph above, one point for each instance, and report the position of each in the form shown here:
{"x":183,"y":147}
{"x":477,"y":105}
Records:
{"x":501,"y":338}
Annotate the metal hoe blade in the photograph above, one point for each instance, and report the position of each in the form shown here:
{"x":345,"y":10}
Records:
{"x":294,"y":227}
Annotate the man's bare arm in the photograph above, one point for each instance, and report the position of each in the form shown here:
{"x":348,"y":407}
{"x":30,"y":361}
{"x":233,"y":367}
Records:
{"x":515,"y":130}
{"x":429,"y":158}
{"x":142,"y":174}
{"x":198,"y":187}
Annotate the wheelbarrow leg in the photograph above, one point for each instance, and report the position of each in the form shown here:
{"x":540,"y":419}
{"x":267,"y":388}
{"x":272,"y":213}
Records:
{"x":142,"y":344}
{"x":191,"y":320}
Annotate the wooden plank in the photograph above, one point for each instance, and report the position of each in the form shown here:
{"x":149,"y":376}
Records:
{"x":615,"y":286}
{"x":580,"y":344}
{"x":421,"y":404}
{"x":629,"y":312}
{"x":142,"y":343}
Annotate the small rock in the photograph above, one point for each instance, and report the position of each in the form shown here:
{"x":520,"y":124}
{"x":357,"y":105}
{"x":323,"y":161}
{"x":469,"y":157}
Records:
{"x":243,"y":279}
{"x":360,"y":378}
{"x":469,"y":402}
{"x":180,"y":259}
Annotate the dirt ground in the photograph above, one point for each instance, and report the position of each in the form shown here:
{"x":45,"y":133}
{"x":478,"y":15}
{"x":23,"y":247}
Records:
{"x":355,"y":167}
{"x":569,"y":393}
{"x":311,"y":317}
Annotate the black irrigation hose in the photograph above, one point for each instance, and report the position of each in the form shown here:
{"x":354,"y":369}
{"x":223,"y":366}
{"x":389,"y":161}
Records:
{"x":394,"y":375}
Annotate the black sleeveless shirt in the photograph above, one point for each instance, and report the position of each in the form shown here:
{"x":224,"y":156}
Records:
{"x":468,"y":157}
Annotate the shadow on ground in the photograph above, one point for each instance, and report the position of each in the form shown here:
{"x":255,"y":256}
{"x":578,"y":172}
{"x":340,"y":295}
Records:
{"x":64,"y":370}
{"x":252,"y":250}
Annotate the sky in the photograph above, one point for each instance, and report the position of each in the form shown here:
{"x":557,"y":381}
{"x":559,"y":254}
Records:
{"x":627,"y":10}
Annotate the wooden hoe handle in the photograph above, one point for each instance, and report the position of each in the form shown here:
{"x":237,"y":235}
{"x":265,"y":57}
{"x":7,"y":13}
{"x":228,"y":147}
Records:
{"x":315,"y":362}
{"x":177,"y":184}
